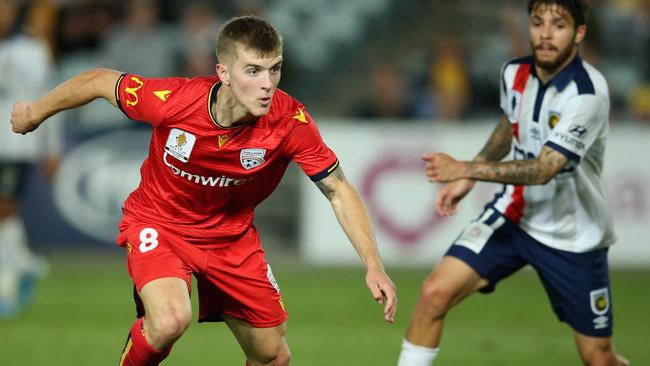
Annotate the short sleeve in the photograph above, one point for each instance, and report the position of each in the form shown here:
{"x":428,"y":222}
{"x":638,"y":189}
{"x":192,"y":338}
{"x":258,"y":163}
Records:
{"x":145,"y":99}
{"x":581,"y":123}
{"x":306,"y":147}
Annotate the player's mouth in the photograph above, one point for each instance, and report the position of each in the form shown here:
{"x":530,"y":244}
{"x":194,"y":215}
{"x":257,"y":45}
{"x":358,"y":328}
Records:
{"x":545,"y":50}
{"x":265,"y":101}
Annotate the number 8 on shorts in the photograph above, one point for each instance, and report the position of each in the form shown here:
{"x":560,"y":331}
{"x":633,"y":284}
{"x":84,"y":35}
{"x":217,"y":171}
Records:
{"x":148,"y":239}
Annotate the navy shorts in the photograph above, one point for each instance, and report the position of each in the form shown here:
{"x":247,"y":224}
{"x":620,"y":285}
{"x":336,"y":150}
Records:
{"x":577,"y":284}
{"x":13,"y":177}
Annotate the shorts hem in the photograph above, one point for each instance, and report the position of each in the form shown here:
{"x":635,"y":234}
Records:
{"x":463,"y":254}
{"x":256,"y":324}
{"x":157,"y":277}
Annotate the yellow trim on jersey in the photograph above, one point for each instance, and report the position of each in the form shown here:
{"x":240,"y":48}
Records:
{"x":333,"y":167}
{"x":127,"y":348}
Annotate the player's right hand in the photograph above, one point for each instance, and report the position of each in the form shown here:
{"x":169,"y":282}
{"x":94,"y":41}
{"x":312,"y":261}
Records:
{"x":23,"y":118}
{"x":449,"y":196}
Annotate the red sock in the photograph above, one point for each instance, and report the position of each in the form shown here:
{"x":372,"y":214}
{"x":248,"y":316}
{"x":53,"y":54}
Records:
{"x":138,"y":352}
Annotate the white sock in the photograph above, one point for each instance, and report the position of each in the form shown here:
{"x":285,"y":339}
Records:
{"x":14,"y":240}
{"x":413,"y":355}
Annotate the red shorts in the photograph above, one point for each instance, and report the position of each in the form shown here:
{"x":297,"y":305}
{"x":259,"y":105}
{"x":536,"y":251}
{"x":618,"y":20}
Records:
{"x":234,"y":280}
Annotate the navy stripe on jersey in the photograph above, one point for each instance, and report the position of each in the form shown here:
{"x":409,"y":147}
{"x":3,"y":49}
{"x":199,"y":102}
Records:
{"x":117,"y":94}
{"x":583,"y":81}
{"x":538,"y":101}
{"x":569,"y":154}
{"x":575,"y":71}
{"x":325,"y":173}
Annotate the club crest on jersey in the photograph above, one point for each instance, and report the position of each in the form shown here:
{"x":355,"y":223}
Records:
{"x":180,"y":144}
{"x":252,"y":158}
{"x":553,"y":119}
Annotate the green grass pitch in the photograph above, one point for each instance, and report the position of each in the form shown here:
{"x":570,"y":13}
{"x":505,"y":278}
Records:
{"x":83,"y":310}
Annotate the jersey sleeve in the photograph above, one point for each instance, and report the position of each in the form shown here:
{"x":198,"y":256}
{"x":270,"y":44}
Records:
{"x":146,"y":99}
{"x":581,"y":123}
{"x":306,"y":147}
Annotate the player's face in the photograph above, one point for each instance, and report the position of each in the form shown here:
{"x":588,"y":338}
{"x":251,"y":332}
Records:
{"x":254,"y":79}
{"x":553,"y":36}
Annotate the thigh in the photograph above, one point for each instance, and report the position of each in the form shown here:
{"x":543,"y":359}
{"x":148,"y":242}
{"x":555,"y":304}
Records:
{"x":490,"y":246}
{"x":578,"y":287}
{"x":261,"y":345}
{"x":154,"y":253}
{"x":166,"y":296}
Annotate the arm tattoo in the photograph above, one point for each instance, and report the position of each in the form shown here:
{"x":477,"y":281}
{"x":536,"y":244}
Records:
{"x":498,"y":145}
{"x":521,"y":172}
{"x":327,"y":184}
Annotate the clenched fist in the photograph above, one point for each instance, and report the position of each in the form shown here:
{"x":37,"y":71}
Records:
{"x":441,"y":167}
{"x":23,"y":118}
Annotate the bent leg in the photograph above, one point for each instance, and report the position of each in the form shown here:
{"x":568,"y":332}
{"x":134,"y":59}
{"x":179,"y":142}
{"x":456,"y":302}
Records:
{"x":262,"y":346}
{"x":168,"y":310}
{"x":452,"y":281}
{"x":168,"y":313}
{"x":596,"y":351}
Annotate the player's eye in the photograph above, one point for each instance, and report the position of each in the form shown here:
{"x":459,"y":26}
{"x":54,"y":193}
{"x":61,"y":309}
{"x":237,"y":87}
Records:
{"x":252,"y":71}
{"x":276,"y":69}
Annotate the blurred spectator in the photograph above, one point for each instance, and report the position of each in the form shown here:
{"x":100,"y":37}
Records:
{"x":141,"y":44}
{"x":41,"y":22}
{"x":386,"y":94}
{"x":25,"y":69}
{"x":449,"y":79}
{"x":199,"y":27}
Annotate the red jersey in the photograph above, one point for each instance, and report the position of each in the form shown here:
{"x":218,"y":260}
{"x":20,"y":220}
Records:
{"x":201,"y":180}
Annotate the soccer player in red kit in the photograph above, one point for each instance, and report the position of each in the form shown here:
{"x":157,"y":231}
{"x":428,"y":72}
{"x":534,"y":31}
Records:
{"x":220,"y":145}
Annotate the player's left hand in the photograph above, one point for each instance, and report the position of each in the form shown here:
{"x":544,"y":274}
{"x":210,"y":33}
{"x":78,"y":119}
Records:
{"x":384,"y":292}
{"x":441,"y":167}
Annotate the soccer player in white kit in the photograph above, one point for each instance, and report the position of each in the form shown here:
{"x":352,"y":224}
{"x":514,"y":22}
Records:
{"x":551,"y":213}
{"x":25,"y":68}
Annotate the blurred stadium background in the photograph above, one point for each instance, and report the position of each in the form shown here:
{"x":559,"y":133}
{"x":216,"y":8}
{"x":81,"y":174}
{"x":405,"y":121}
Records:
{"x":386,"y":80}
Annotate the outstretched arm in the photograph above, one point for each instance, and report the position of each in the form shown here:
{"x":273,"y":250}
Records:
{"x":75,"y":92}
{"x":443,"y":168}
{"x":353,"y":218}
{"x":496,"y":148}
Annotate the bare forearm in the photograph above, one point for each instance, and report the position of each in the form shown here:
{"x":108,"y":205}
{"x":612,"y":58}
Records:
{"x":351,"y":215}
{"x":353,"y":218}
{"x":499,"y":143}
{"x":519,"y":172}
{"x":77,"y":91}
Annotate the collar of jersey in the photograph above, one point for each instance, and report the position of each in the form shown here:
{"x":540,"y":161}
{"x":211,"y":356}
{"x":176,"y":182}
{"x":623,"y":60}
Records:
{"x":212,"y":98}
{"x":566,"y":75}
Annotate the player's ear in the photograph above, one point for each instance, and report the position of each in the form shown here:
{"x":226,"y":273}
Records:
{"x":222,"y":73}
{"x":581,"y":31}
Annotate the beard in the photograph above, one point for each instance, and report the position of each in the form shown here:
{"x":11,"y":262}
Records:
{"x":552,"y":66}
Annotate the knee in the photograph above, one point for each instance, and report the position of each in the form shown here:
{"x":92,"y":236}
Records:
{"x":165,"y":328}
{"x":281,"y":357}
{"x":435,"y":299}
{"x":601,"y":354}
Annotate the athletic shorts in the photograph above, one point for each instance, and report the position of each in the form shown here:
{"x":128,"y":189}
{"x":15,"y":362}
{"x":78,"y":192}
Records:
{"x":234,"y":280}
{"x":13,"y":177}
{"x":577,"y":284}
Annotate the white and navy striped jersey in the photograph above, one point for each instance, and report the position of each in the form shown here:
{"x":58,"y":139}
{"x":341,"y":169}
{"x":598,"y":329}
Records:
{"x":570,"y":114}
